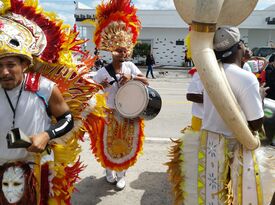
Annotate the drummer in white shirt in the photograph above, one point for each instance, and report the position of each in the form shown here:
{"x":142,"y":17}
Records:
{"x":111,"y":78}
{"x":121,"y":72}
{"x":118,"y":141}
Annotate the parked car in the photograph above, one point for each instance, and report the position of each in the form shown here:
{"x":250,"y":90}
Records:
{"x":268,"y":56}
{"x":263,"y":51}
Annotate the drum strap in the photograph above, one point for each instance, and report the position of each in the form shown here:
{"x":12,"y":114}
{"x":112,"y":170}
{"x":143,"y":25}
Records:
{"x":110,"y":69}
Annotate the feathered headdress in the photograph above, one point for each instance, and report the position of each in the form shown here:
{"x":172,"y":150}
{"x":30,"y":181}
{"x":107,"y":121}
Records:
{"x":117,"y":25}
{"x":27,"y":30}
{"x":41,"y":37}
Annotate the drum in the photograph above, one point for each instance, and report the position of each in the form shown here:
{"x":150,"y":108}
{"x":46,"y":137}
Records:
{"x":134,"y":99}
{"x":269,"y":118}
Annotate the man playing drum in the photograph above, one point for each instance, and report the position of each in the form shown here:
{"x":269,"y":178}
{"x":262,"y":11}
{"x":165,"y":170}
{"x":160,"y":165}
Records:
{"x":119,"y":140}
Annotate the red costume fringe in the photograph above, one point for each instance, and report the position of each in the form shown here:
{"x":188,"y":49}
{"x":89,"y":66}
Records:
{"x":64,"y":184}
{"x":45,"y":188}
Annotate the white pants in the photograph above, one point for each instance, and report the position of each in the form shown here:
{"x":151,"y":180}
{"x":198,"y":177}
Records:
{"x":114,"y":174}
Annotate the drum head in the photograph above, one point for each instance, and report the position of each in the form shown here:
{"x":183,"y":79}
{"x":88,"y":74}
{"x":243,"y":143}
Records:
{"x":131,"y":99}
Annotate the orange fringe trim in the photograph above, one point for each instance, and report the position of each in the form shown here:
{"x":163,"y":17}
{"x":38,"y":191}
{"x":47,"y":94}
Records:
{"x":174,"y":171}
{"x":95,"y":127}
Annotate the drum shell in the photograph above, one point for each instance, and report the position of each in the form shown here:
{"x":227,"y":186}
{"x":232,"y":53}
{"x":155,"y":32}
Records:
{"x":269,"y":118}
{"x":154,"y":105}
{"x":147,"y":100}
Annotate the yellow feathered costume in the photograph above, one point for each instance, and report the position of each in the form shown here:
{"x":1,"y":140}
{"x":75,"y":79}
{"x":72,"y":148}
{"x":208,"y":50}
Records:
{"x":49,"y":45}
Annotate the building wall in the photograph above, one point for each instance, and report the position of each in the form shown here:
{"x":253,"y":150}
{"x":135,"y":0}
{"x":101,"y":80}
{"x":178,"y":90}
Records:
{"x":163,"y":44}
{"x":164,"y":28}
{"x":260,"y":38}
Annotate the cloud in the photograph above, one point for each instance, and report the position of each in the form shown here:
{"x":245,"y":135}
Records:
{"x":262,"y":4}
{"x":58,"y":6}
{"x":154,"y":4}
{"x":65,"y":8}
{"x":94,"y":3}
{"x":140,"y":4}
{"x":68,"y":19}
{"x":169,"y":4}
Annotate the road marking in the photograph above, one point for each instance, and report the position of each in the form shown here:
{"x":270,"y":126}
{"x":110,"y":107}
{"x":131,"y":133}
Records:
{"x":176,"y":102}
{"x":159,"y":139}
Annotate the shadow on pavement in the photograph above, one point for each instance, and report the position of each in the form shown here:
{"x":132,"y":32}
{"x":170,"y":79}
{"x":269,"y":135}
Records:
{"x":157,"y":189}
{"x":95,"y":188}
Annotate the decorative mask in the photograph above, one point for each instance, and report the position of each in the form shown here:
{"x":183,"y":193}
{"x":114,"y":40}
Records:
{"x":13,"y":184}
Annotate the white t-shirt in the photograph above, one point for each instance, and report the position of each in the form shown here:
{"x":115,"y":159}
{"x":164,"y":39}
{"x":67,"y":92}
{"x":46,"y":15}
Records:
{"x":196,"y":87}
{"x":245,"y":87}
{"x":247,"y":67}
{"x":102,"y":74}
{"x":31,"y":117}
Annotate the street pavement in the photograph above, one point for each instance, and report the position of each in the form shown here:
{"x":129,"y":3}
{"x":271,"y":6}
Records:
{"x":147,"y":181}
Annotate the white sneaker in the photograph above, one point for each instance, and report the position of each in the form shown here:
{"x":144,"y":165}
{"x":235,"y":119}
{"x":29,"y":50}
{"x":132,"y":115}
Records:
{"x":121,"y":183}
{"x":110,"y":176}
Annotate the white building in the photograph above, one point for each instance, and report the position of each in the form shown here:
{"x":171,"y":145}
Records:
{"x":165,"y":31}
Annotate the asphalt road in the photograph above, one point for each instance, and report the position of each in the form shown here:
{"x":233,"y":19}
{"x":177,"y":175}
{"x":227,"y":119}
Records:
{"x":176,"y":110}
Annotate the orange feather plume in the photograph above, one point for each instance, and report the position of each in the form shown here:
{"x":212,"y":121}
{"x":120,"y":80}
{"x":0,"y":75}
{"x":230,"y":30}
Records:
{"x":120,"y":12}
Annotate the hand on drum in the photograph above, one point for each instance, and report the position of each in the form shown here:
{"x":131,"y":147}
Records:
{"x":105,"y":83}
{"x":124,"y":78}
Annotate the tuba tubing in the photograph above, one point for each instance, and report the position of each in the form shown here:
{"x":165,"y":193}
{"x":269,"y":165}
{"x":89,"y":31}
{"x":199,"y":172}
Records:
{"x":218,"y":88}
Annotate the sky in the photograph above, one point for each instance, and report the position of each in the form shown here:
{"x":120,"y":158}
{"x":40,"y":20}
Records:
{"x":65,"y":8}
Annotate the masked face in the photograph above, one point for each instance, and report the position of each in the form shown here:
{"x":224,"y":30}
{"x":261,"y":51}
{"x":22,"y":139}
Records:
{"x":13,"y":184}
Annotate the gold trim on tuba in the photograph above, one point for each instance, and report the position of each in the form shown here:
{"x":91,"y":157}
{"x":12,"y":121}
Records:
{"x":203,"y":27}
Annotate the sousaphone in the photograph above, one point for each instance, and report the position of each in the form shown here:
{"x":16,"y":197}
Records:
{"x":205,"y":16}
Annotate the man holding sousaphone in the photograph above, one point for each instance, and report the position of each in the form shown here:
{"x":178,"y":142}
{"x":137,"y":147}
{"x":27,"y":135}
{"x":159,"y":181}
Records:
{"x":119,"y":139}
{"x":222,"y":164}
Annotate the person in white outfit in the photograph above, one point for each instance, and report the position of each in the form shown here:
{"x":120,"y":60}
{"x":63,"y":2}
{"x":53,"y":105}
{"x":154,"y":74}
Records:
{"x":121,"y":72}
{"x":120,"y":139}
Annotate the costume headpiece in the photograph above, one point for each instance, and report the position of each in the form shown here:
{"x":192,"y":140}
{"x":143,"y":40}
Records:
{"x":28,"y":31}
{"x":117,"y":25}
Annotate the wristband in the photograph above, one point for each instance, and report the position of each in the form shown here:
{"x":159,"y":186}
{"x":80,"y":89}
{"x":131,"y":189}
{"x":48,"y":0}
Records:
{"x":64,"y":124}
